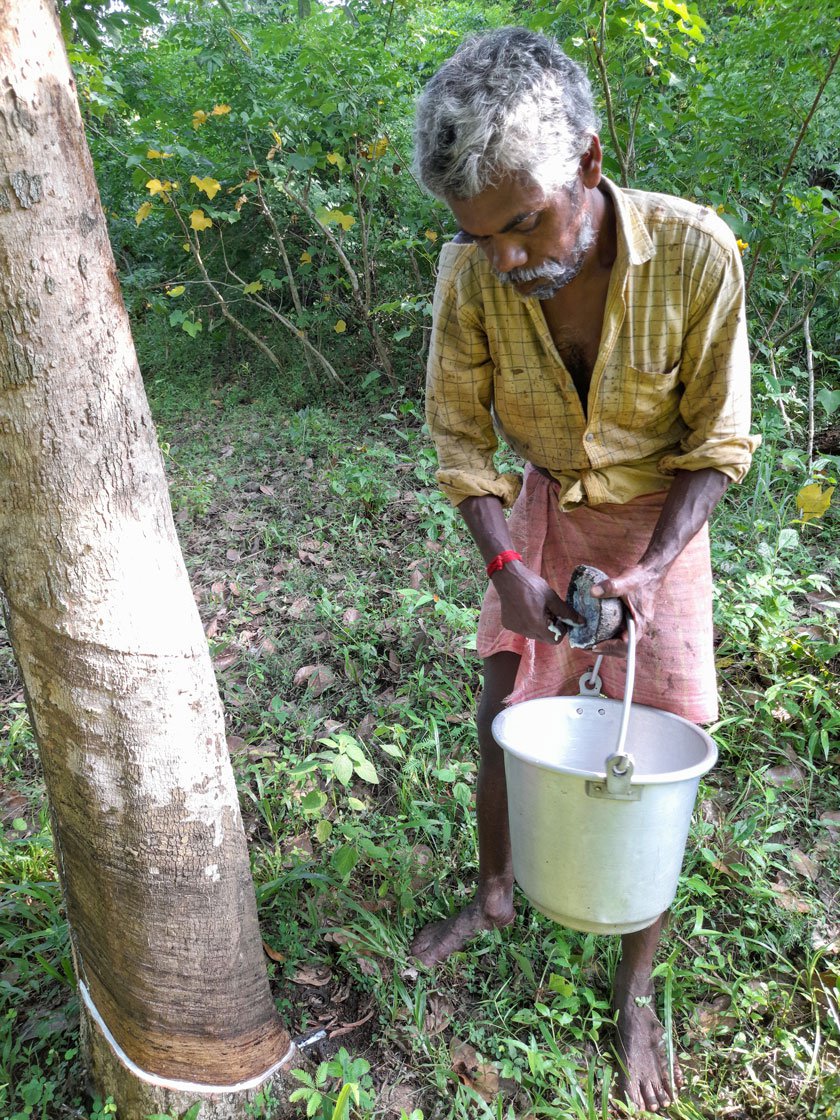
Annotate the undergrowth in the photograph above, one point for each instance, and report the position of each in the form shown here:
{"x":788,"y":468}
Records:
{"x":339,"y":594}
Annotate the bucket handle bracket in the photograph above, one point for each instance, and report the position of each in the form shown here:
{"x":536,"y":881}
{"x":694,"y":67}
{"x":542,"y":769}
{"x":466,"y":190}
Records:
{"x":617,"y":784}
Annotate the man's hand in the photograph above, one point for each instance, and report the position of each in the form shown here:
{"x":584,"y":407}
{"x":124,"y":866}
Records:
{"x":638,"y":587}
{"x":529,"y":604}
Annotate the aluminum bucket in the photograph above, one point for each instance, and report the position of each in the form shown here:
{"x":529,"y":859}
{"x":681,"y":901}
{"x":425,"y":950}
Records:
{"x":600,"y":795}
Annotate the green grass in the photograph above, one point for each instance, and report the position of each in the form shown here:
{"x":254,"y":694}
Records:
{"x":340,"y":596}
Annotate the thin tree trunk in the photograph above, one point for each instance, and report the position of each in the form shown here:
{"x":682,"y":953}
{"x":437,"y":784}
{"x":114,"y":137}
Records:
{"x":121,"y":693}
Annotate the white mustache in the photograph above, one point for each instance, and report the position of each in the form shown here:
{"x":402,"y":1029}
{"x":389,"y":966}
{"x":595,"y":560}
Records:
{"x":551,"y":270}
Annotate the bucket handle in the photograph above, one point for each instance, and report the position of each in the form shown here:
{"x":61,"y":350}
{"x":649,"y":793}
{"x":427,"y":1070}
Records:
{"x":629,"y":685}
{"x":618,"y":765}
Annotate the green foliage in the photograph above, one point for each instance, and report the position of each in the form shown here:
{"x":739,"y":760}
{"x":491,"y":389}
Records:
{"x":290,"y":575}
{"x":337,"y":1086}
{"x":340,"y":596}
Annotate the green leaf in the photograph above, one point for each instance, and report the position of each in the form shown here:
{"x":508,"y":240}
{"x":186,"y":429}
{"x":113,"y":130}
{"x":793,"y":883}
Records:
{"x":367,"y":771}
{"x":19,"y":824}
{"x":560,"y":985}
{"x":192,"y":1112}
{"x":304,"y":767}
{"x":237,"y":38}
{"x":392,"y":749}
{"x":345,"y":859}
{"x":342,"y":1104}
{"x":314,"y":801}
{"x":343,"y":769}
{"x":829,"y":399}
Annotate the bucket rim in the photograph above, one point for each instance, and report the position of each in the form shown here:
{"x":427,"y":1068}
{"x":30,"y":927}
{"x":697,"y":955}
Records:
{"x":687,"y":773}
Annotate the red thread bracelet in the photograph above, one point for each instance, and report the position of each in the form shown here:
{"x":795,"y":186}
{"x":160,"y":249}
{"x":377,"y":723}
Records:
{"x":498,"y":562}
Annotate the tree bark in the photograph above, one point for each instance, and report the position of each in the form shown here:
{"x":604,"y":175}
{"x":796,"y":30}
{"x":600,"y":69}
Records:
{"x":121,"y":693}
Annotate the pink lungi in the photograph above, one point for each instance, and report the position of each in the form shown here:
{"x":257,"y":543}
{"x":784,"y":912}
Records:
{"x":675,"y":667}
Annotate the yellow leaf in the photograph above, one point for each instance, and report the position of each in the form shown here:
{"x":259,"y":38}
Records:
{"x":327,"y":298}
{"x":305,"y":258}
{"x":278,"y":140}
{"x":152,"y":154}
{"x":199,"y":117}
{"x":338,"y":161}
{"x":186,"y":246}
{"x":143,"y":213}
{"x":813,"y":501}
{"x":211,"y":187}
{"x":198,"y":220}
{"x":178,"y":291}
{"x":254,"y":286}
{"x":431,"y":235}
{"x":340,"y":327}
{"x":380,"y":147}
{"x":154,"y":186}
{"x":220,"y":110}
{"x":742,"y":245}
{"x":345,"y":220}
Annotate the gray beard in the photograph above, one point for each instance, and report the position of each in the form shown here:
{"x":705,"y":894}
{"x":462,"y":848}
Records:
{"x":555,"y":274}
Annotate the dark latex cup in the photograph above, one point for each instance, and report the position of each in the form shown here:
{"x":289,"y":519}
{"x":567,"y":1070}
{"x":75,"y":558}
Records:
{"x":603,"y":618}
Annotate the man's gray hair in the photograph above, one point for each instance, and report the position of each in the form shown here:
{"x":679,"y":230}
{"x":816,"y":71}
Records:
{"x":508,"y":101}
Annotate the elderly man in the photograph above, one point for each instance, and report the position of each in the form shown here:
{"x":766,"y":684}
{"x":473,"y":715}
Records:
{"x":601,"y":332}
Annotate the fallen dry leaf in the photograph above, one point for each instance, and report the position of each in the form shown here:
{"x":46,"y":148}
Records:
{"x":366,"y":727}
{"x":788,"y":899}
{"x":784,"y":776}
{"x":439,"y":1015}
{"x":483,"y":1077}
{"x":273,"y":953}
{"x":313,"y":975}
{"x":803,"y":865}
{"x":300,"y":608}
{"x":351,"y":616}
{"x":236,"y":744}
{"x":12,"y":805}
{"x":711,"y":1016}
{"x":318,"y":678}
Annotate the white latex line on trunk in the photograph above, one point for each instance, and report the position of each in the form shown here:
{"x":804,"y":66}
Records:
{"x":165,"y":1082}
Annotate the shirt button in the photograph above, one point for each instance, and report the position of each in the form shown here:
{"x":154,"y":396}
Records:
{"x":590,"y":437}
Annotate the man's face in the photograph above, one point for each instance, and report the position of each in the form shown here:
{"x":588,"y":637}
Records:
{"x":535,"y":243}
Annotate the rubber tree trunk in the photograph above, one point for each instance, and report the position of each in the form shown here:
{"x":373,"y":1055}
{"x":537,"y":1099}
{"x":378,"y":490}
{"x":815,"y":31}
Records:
{"x":124,"y":705}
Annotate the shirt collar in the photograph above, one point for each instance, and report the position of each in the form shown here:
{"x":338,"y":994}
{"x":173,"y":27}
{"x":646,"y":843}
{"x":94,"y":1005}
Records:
{"x":633,"y":238}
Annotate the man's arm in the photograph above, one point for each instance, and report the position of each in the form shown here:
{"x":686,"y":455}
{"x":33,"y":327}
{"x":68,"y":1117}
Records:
{"x":528,"y":602}
{"x":691,"y":499}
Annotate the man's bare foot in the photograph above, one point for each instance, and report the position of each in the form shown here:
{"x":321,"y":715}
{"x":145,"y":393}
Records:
{"x":643,"y":1078}
{"x":438,"y":940}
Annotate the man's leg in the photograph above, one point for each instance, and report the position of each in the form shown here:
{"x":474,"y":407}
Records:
{"x":493,"y":903}
{"x":643,"y":1075}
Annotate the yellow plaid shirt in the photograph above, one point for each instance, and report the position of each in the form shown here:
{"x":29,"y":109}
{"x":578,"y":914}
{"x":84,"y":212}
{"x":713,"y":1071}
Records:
{"x":671,"y":385}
